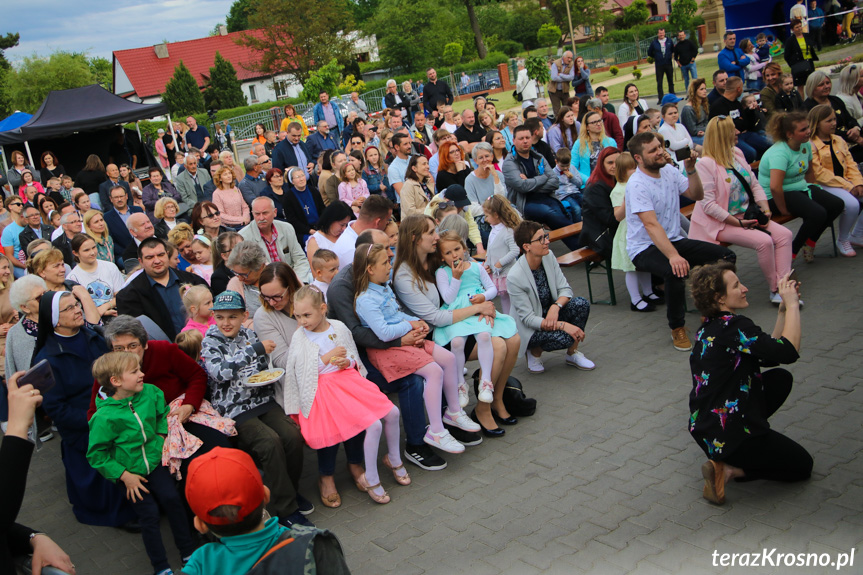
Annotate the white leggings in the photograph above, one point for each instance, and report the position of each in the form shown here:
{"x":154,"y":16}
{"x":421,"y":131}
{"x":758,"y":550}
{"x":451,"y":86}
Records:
{"x":850,"y":221}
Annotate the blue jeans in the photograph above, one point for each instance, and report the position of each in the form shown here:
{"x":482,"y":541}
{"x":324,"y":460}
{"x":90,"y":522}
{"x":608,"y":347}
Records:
{"x":549,"y":211}
{"x":353,"y":451}
{"x":688,"y":71}
{"x":411,"y":403}
{"x":753,"y":145}
{"x":755,"y":85}
{"x":572,"y":204}
{"x":19,"y":272}
{"x":163,"y":491}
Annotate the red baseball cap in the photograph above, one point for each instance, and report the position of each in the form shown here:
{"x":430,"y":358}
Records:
{"x":223,"y":476}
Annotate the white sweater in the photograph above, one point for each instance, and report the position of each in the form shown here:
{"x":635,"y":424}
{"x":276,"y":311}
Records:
{"x":297,"y":393}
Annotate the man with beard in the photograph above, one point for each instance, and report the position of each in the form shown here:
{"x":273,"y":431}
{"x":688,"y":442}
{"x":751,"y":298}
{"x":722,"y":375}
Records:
{"x":655,"y":242}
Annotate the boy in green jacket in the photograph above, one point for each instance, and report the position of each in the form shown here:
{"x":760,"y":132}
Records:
{"x":126,"y":437}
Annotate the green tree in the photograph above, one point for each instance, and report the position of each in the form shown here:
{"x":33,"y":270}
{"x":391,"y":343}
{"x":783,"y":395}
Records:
{"x":636,"y":14}
{"x":430,"y":24}
{"x":291,"y":36}
{"x":182,"y":94}
{"x":103,"y":72}
{"x":224,"y":89}
{"x":324,"y":79}
{"x":363,"y":10}
{"x":537,"y":68}
{"x":525,"y":21}
{"x":10,"y":40}
{"x":584,"y":13}
{"x":238,"y":16}
{"x":548,"y":35}
{"x":452,"y":54}
{"x":682,"y":15}
{"x":36,"y":76}
{"x":475,"y":28}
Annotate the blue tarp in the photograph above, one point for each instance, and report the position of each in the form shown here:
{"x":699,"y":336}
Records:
{"x":765,"y":15}
{"x":16,"y":120}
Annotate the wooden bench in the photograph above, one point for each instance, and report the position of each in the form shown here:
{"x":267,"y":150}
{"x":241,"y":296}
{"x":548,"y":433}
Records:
{"x":592,"y":261}
{"x":564,"y":232}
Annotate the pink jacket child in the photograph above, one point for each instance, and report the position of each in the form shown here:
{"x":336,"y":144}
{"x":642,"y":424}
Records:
{"x":350,"y":193}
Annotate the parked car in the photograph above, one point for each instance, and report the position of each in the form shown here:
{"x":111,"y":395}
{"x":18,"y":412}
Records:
{"x":658,"y":18}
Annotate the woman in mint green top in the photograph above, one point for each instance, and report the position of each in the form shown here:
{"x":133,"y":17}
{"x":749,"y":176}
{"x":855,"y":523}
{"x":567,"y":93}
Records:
{"x":787,"y":176}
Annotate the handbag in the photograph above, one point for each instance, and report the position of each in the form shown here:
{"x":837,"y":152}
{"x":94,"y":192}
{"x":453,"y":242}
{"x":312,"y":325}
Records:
{"x":753,"y":210}
{"x":514,"y":399}
{"x":802,"y":67}
{"x":517,"y":95}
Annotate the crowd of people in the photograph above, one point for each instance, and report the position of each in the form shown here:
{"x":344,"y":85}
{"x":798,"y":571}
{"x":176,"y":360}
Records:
{"x":364,"y":258}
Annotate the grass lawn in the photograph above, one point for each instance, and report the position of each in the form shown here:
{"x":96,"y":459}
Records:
{"x":502,"y":101}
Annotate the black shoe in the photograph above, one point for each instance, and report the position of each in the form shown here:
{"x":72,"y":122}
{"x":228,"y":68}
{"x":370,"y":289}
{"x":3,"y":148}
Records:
{"x":295,"y":518}
{"x":424,"y":457}
{"x":511,"y":420}
{"x":647,"y":307}
{"x":499,"y":432}
{"x":304,"y":506}
{"x":466,"y":438}
{"x":655,"y":299}
{"x":43,"y":427}
{"x":132,"y":526}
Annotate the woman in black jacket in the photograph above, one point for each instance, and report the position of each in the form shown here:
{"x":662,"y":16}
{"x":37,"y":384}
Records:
{"x":800,"y":54}
{"x":731,"y":398}
{"x":16,"y":540}
{"x":598,"y":222}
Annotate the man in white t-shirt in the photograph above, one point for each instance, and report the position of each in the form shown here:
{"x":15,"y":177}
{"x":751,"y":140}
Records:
{"x":654,"y":240}
{"x":375,"y":213}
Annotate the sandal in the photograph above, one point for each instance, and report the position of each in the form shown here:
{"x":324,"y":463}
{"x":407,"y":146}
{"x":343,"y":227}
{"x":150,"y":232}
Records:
{"x":333,"y":500}
{"x":400,"y":479}
{"x":713,"y":473}
{"x":363,"y":484}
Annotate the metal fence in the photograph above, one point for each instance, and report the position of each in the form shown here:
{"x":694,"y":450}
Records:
{"x":604,"y":55}
{"x":243,"y":127}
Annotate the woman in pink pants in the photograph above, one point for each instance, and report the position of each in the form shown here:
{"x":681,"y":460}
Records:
{"x":729,"y":188}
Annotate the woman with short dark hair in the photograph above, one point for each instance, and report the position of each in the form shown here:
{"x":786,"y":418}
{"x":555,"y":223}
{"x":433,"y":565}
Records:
{"x":731,"y":399}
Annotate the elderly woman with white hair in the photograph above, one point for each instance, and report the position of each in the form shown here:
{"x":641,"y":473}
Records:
{"x":850,"y":82}
{"x":484,"y":181}
{"x":247,"y":261}
{"x":411,"y":99}
{"x":394,"y":100}
{"x":227,"y":159}
{"x":818,"y":90}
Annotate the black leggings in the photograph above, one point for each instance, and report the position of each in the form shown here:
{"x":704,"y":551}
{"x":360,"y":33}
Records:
{"x":817,"y":213}
{"x":772,"y":455}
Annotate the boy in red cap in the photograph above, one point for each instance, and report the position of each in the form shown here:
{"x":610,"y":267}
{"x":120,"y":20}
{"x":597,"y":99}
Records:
{"x":226,"y":494}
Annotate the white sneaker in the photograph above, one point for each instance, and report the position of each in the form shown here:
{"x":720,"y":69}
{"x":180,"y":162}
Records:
{"x":534,"y":364}
{"x":578,"y":360}
{"x":845,"y":248}
{"x":856,"y":241}
{"x":775,"y":298}
{"x":463,"y":397}
{"x":486,"y":392}
{"x":460,"y":420}
{"x":443,"y":441}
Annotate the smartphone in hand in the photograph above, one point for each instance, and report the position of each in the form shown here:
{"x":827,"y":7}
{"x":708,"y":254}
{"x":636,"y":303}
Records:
{"x":40,"y":376}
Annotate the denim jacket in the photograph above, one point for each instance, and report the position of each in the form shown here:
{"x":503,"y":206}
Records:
{"x":374,"y":178}
{"x":378,"y":310}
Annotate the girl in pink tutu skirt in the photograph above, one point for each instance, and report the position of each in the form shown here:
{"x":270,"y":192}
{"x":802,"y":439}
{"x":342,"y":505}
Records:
{"x":326,"y":392}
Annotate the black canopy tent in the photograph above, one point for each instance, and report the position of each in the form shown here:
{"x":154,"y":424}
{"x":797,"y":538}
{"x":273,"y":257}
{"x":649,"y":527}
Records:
{"x":70,"y":113}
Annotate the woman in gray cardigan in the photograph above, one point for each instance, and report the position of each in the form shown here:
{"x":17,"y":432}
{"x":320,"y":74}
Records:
{"x":414,"y":284}
{"x":547,"y":316}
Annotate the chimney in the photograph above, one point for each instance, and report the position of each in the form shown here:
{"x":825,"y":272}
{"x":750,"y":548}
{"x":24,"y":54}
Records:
{"x":223,"y":30}
{"x":161,"y":50}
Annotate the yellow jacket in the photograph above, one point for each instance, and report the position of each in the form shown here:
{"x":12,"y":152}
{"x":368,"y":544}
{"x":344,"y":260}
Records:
{"x":822,"y":163}
{"x":299,"y":120}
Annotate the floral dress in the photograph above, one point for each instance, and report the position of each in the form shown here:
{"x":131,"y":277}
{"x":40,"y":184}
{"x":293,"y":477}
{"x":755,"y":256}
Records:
{"x":729,"y":392}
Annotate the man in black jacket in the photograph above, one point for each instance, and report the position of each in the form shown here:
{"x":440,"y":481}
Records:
{"x":292,"y":151}
{"x":35,"y":228}
{"x":684,"y":54}
{"x":155,"y":292}
{"x":71,"y":224}
{"x":435,"y":91}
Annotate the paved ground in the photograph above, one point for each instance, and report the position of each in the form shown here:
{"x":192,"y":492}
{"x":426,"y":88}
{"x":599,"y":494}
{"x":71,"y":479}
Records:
{"x":604,"y":478}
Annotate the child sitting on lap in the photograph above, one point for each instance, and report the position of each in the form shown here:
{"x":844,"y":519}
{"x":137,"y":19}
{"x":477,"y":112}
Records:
{"x":127,"y":433}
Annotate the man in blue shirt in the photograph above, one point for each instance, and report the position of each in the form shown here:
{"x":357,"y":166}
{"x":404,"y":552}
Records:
{"x":731,"y":59}
{"x":321,"y":140}
{"x":197,"y":136}
{"x":326,"y":110}
{"x":253,"y":183}
{"x":816,"y":23}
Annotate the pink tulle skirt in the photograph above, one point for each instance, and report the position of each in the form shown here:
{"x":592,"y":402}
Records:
{"x":345,"y":405}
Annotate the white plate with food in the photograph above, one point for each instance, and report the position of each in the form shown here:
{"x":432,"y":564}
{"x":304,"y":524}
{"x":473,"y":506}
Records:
{"x":262,"y":378}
